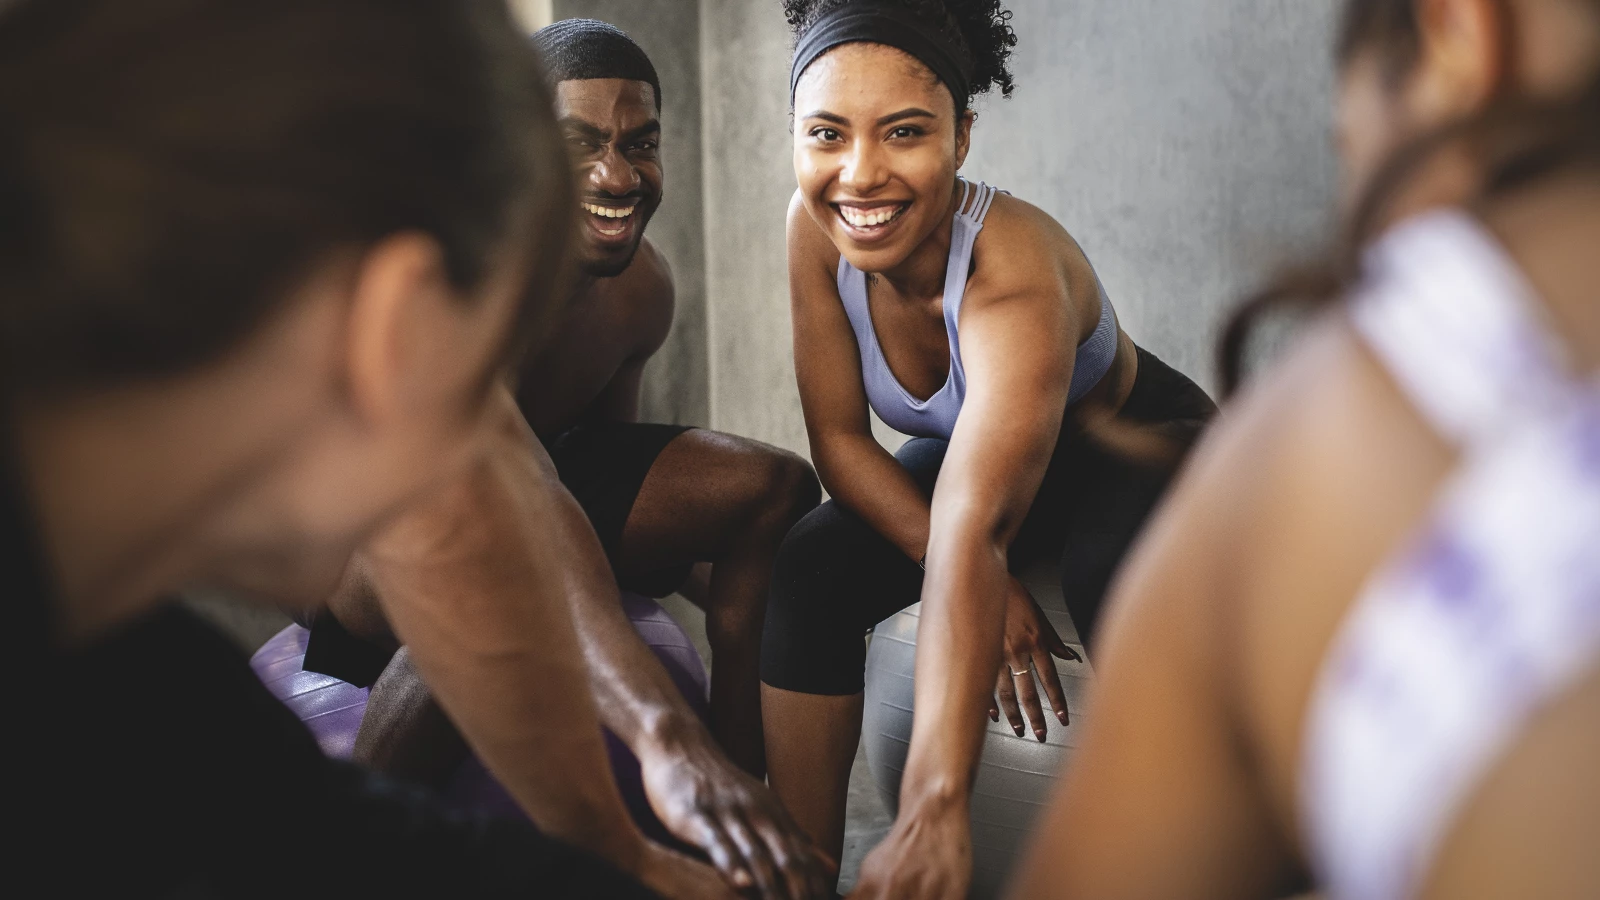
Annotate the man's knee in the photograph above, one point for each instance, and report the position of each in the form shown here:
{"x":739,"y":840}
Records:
{"x":792,"y":487}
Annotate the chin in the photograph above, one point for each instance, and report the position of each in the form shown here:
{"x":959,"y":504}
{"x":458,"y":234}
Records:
{"x":610,"y":265}
{"x":873,"y":259}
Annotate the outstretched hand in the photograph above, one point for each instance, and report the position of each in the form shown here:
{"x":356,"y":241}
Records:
{"x":926,"y":855}
{"x":1030,"y":641}
{"x":707,"y":801}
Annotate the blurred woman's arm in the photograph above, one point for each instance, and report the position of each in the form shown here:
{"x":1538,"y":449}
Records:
{"x":454,"y":576}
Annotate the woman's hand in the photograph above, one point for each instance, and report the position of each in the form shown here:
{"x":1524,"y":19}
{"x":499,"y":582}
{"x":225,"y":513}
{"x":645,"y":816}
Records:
{"x":927,"y":855}
{"x":1030,"y":640}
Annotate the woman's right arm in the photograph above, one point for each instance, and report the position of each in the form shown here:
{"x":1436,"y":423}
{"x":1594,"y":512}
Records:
{"x":853,"y":466}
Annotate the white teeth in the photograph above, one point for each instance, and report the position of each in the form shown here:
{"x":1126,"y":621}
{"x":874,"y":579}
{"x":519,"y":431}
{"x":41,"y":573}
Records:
{"x":608,"y":212}
{"x":869,"y":219}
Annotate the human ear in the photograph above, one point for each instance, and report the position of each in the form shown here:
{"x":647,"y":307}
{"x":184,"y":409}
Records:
{"x":400,"y":287}
{"x":1465,"y":45}
{"x":964,"y":136}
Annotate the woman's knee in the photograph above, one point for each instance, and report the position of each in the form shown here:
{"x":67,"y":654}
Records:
{"x":814,"y":555}
{"x":812,"y":637}
{"x":922,"y":458}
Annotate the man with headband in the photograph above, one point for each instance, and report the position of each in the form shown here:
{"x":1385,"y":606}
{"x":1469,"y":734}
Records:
{"x":660,"y":498}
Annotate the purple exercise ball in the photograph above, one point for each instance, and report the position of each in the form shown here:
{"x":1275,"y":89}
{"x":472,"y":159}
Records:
{"x":332,"y":710}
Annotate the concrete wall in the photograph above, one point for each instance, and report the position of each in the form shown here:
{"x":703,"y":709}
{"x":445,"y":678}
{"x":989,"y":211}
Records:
{"x":676,"y":383}
{"x":1185,"y":145}
{"x":749,"y":179}
{"x":533,"y":14}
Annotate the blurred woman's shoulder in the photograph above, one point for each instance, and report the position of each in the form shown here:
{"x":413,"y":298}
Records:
{"x":1303,"y":487}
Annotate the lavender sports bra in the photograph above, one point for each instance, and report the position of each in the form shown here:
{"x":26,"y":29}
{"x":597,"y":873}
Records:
{"x":936,"y":416}
{"x":1491,"y":609}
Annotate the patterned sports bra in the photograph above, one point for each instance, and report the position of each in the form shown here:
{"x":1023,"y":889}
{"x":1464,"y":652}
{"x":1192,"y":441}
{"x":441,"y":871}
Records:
{"x":1491,"y":609}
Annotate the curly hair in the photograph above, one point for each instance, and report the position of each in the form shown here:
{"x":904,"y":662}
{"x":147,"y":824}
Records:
{"x":980,"y":28}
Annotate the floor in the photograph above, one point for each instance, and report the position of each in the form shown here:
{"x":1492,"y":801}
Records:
{"x":866,"y":821}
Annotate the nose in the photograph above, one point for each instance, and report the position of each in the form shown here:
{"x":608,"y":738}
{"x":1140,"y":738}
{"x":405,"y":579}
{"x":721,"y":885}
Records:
{"x":865,"y":169}
{"x":613,"y":174}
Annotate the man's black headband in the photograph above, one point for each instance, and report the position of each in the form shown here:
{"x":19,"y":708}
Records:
{"x":894,"y":26}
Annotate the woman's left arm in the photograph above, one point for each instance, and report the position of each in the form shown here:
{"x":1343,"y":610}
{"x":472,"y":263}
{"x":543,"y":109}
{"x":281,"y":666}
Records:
{"x":1017,"y":335}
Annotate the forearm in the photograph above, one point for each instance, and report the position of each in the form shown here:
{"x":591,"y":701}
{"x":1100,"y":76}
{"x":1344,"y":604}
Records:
{"x":473,"y":587}
{"x":958,"y":653}
{"x":985,"y":490}
{"x":636,"y":697}
{"x":865,"y":478}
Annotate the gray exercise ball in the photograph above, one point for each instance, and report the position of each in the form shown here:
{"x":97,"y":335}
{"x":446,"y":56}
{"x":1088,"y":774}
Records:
{"x":1016,"y":775}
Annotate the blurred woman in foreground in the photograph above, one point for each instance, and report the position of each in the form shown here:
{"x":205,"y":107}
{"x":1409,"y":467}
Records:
{"x":1359,"y":646}
{"x":260,"y":265}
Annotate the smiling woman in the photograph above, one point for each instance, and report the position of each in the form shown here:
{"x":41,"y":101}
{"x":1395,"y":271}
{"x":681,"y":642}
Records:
{"x":972,"y":321}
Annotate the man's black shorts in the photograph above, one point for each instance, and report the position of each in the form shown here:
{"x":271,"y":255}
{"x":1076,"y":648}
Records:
{"x":604,"y":465}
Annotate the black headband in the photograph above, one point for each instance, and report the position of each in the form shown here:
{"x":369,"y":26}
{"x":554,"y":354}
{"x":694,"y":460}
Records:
{"x":890,"y":24}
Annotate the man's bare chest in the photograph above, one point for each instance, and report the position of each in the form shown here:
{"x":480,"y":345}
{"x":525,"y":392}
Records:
{"x":574,"y":367}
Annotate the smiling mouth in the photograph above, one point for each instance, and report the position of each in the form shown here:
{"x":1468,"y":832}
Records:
{"x":611,"y":221}
{"x":872,"y":220}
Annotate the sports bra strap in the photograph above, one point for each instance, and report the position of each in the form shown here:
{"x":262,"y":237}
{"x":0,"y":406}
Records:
{"x":1456,"y":325}
{"x":975,"y":201}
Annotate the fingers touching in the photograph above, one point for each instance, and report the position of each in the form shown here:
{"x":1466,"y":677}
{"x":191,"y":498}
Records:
{"x":724,"y":853}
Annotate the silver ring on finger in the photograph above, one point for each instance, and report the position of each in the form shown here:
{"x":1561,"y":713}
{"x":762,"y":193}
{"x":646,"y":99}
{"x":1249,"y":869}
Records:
{"x":1022,"y":673}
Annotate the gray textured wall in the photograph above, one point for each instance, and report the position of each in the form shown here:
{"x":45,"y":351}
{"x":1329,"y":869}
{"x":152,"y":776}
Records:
{"x":676,"y":383}
{"x":749,"y":178}
{"x":1185,"y":143}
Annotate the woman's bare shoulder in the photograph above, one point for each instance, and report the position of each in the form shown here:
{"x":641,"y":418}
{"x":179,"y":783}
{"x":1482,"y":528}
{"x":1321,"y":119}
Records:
{"x":1306,"y":483}
{"x":1015,"y":223}
{"x":1233,"y":469}
{"x":1037,"y":258}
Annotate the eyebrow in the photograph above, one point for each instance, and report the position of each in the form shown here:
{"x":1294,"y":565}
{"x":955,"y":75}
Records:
{"x":573,"y":123}
{"x":913,"y":112}
{"x":651,"y":127}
